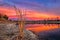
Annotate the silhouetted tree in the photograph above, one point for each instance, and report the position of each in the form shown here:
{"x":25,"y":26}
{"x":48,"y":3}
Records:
{"x":0,"y":15}
{"x":5,"y":17}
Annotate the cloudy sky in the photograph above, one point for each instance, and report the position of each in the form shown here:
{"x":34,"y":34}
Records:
{"x":34,"y":9}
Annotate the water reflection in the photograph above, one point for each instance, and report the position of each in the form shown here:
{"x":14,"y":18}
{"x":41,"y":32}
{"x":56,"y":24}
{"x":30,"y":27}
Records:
{"x":41,"y":27}
{"x":45,"y":31}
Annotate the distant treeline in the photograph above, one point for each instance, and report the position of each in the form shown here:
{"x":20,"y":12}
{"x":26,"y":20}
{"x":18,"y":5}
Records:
{"x":41,"y":22}
{"x":44,"y":22}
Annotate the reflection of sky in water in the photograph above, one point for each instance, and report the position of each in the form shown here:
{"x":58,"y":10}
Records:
{"x":41,"y":27}
{"x":45,"y":32}
{"x":50,"y":35}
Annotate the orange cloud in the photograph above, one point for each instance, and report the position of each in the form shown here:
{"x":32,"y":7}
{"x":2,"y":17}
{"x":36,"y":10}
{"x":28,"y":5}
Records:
{"x":34,"y":15}
{"x":7,"y":11}
{"x":39,"y":15}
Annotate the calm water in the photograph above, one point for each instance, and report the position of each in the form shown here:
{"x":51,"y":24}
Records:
{"x":41,"y":27}
{"x":45,"y":32}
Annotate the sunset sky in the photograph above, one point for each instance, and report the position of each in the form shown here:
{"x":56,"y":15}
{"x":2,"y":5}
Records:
{"x":34,"y":9}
